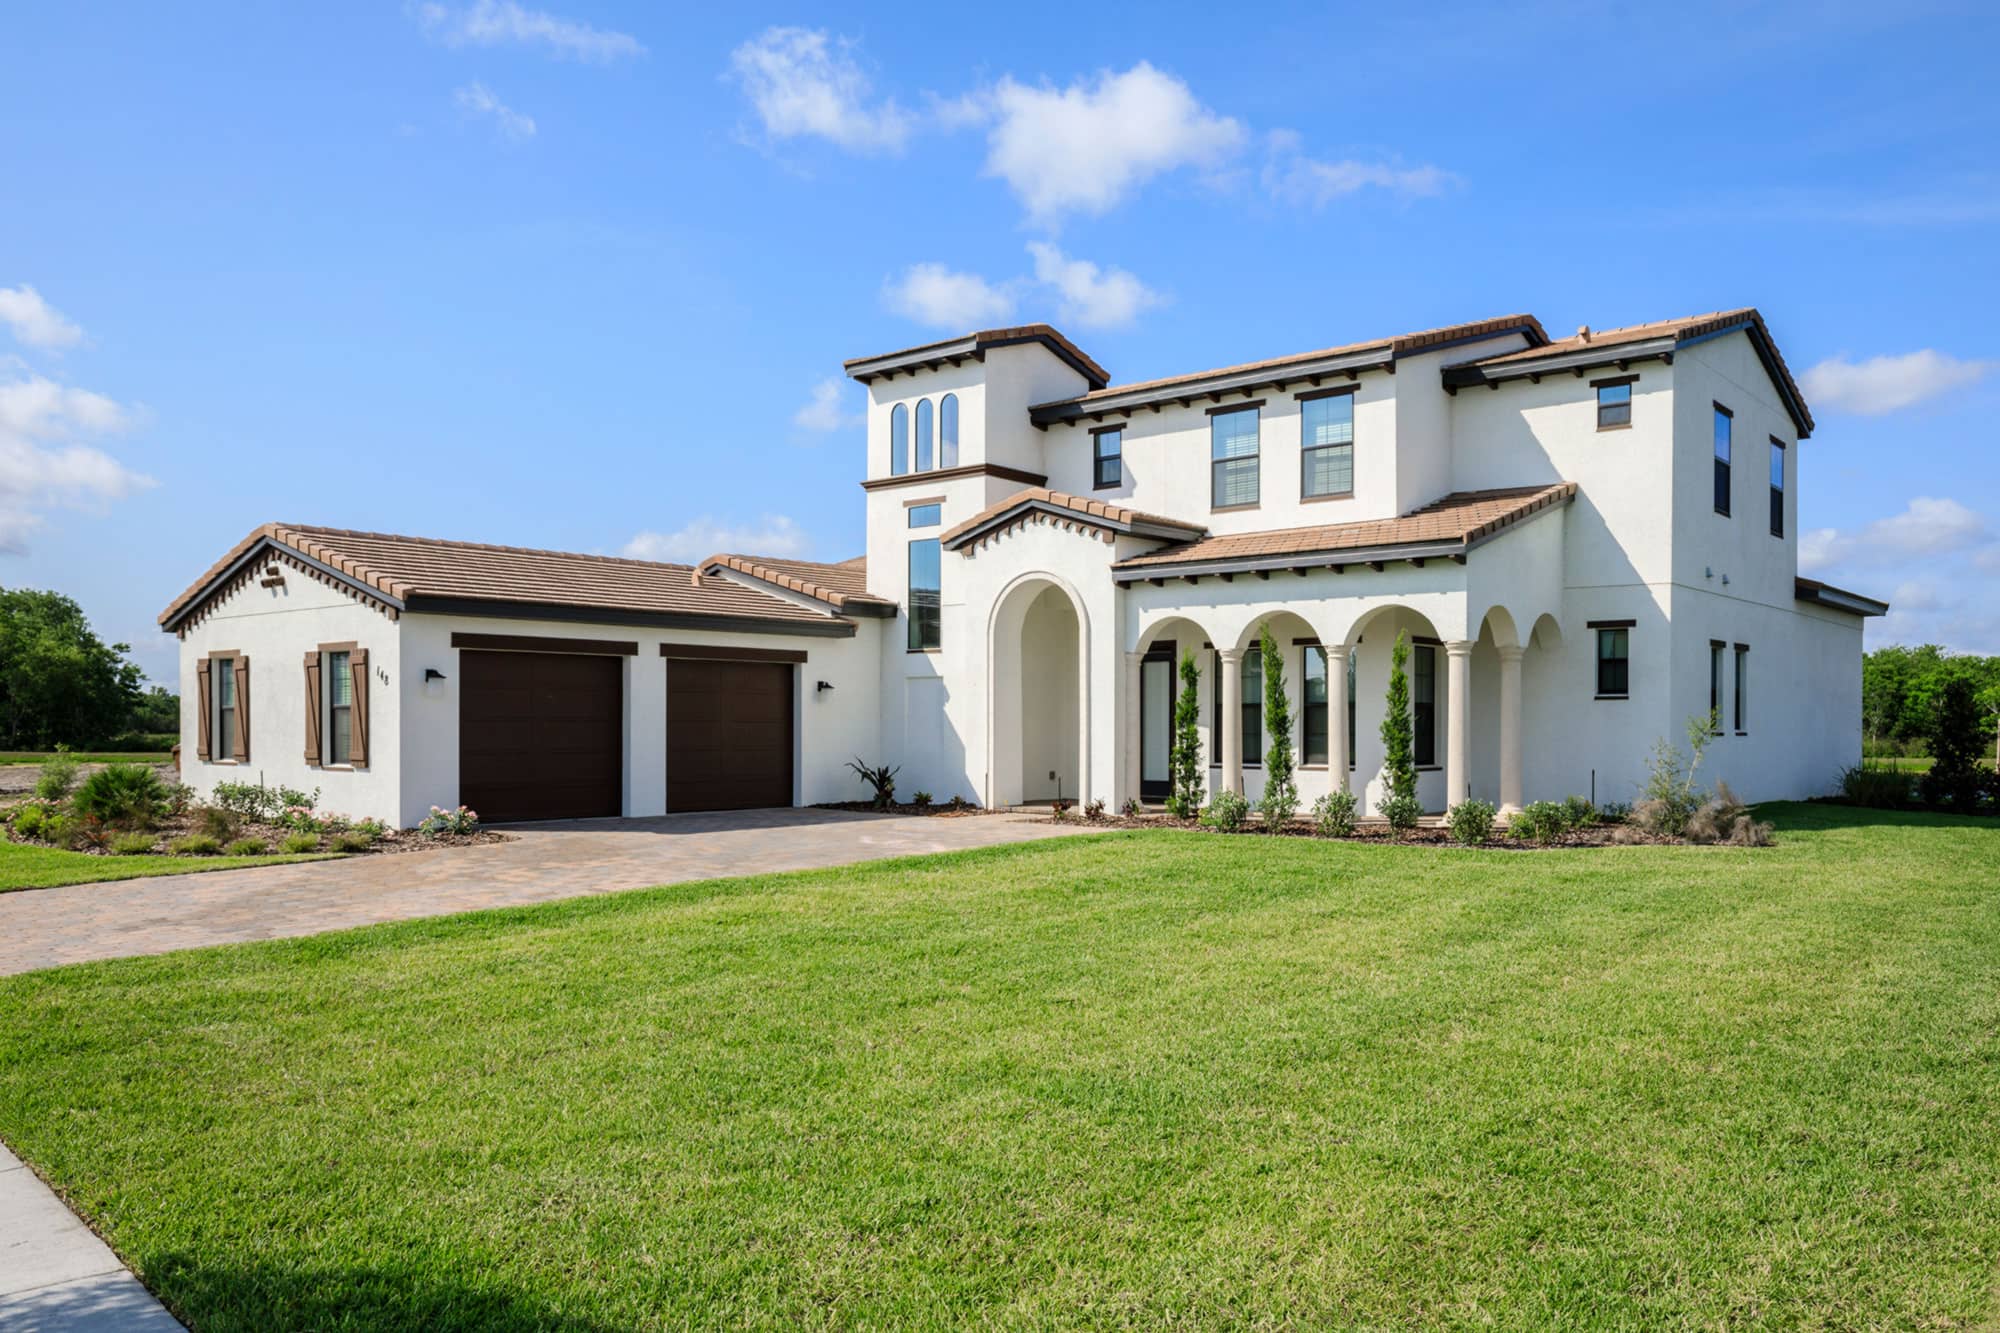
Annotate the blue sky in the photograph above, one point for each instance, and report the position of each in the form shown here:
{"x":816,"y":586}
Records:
{"x":582,"y":275}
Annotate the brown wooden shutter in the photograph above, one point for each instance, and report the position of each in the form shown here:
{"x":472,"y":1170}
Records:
{"x":242,"y":709}
{"x":312,"y":708}
{"x":204,"y":728}
{"x":357,"y":716}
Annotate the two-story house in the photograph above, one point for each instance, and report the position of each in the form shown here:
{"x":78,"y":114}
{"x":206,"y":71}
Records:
{"x":1585,"y":542}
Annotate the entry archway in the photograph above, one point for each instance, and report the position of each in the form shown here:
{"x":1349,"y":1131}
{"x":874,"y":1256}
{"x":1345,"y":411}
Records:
{"x":1038,"y":693}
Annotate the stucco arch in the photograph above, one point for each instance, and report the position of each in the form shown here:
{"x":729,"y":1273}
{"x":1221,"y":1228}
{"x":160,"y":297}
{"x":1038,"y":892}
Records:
{"x":1170,"y":623}
{"x":1547,"y":633}
{"x":1379,"y":610}
{"x":1285,"y":622}
{"x":1009,"y":715}
{"x":1500,"y":622}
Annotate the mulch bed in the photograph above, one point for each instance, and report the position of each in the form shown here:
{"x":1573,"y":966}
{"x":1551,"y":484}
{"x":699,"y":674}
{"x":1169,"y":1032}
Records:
{"x":273,"y":835}
{"x":1601,"y":835}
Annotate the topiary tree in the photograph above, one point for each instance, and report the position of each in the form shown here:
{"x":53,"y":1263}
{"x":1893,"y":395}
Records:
{"x":1184,"y":775}
{"x":1281,"y":789}
{"x":1399,"y":764}
{"x":1955,"y":743}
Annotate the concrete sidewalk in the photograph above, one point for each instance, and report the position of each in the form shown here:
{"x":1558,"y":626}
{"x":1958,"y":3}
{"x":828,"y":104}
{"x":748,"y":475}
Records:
{"x":56,"y":1276}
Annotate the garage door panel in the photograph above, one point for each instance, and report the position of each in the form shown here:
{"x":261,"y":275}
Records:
{"x":541,"y":735}
{"x":729,"y":735}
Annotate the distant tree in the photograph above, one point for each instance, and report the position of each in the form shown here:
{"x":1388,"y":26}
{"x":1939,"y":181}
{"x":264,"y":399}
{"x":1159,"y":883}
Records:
{"x":157,"y":710}
{"x":59,"y":682}
{"x":1956,"y":744}
{"x":1184,"y":775}
{"x":1281,"y":790}
{"x":1902,"y":686}
{"x":1399,"y":763}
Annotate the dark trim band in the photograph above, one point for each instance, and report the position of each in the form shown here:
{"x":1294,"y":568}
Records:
{"x":947,"y":473}
{"x":830,"y":627}
{"x":710,"y":652}
{"x":1339,"y":392}
{"x":1610,"y":624}
{"x":535,"y":643}
{"x":1226,"y":408}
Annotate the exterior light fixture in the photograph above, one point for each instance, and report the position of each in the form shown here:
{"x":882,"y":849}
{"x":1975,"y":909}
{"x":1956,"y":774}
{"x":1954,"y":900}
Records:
{"x":822,"y":687}
{"x":431,"y":674}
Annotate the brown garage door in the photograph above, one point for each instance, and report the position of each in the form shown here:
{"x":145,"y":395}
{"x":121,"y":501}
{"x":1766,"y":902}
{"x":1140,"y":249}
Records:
{"x":729,"y":734}
{"x":540,"y":735}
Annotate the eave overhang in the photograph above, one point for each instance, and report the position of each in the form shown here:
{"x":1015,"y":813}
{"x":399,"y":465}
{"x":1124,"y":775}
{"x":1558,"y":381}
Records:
{"x":1837,"y":599}
{"x":1010,"y":514}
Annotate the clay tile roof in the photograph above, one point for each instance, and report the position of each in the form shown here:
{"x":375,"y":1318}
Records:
{"x":1402,"y":344}
{"x":1684,"y":329}
{"x":1460,"y":519}
{"x":838,"y":585}
{"x":865,"y":367}
{"x":409,"y":570}
{"x":1113,"y":517}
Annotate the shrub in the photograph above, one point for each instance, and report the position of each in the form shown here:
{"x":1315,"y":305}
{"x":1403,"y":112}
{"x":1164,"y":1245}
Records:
{"x":1185,"y":775}
{"x":179,"y":797}
{"x":132,"y":844}
{"x":461,"y":820}
{"x":1954,"y":780}
{"x":1748,"y":832}
{"x":245,"y":847}
{"x":1333,"y":814}
{"x":1471,"y":822}
{"x":1060,"y":810}
{"x":122,"y":794}
{"x":368,"y":830}
{"x":194,"y":844}
{"x":1578,"y":813}
{"x":959,"y":802}
{"x":1669,"y":797}
{"x":218,"y":823}
{"x":1402,"y":810}
{"x":28,"y":821}
{"x":1717,"y":818}
{"x":300,"y":819}
{"x":1876,"y":788}
{"x":254,"y":800}
{"x":1094,"y":812}
{"x":352,"y":840}
{"x":295,"y":843}
{"x":1227,"y":811}
{"x":1614,"y":812}
{"x":58,"y":775}
{"x":1399,"y":766}
{"x":922,"y":800}
{"x":882,"y":780}
{"x":1280,"y":799}
{"x":87,"y":833}
{"x":1131,"y":807}
{"x":59,"y":829}
{"x":1541,"y":822}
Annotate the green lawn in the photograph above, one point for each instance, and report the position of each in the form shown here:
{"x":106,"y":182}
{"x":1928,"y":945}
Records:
{"x":8,"y":757}
{"x":1142,"y":1079}
{"x":26,"y":867}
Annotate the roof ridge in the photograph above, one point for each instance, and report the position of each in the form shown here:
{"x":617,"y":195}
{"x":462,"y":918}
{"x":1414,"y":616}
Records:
{"x":307,"y":529}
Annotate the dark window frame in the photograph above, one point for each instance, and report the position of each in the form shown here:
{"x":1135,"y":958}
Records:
{"x":1742,"y":656}
{"x":923,"y":451}
{"x":899,"y":440}
{"x":1778,"y":452}
{"x":1099,"y":457}
{"x":1725,"y":452}
{"x":947,"y":455}
{"x":1308,"y":708}
{"x":1715,"y":670}
{"x":222,"y":677}
{"x":1353,"y":676}
{"x":1621,"y":678}
{"x":934,"y":509}
{"x":335,"y":665}
{"x":1624,"y":382}
{"x":1423,"y":711}
{"x":1306,"y":451}
{"x":1255,"y":458}
{"x":926,"y":604}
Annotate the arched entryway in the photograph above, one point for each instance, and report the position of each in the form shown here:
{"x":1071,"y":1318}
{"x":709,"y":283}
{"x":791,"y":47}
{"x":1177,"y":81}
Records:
{"x":1038,"y":694}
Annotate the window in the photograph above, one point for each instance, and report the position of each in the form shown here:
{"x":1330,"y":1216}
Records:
{"x":923,"y":435}
{"x":1107,"y":449}
{"x":339,"y":710}
{"x":1251,"y":704}
{"x":926,"y":596}
{"x":1614,"y":661}
{"x":1233,"y":450}
{"x":1723,"y":420}
{"x":1353,"y":658}
{"x":1742,"y":667}
{"x":926,"y":516}
{"x":1715,"y":647}
{"x":1777,"y":487}
{"x":899,"y":440}
{"x":1423,"y":688}
{"x":1614,"y":402}
{"x":223,"y":671}
{"x":948,"y":431}
{"x":1326,"y":455}
{"x":1312,"y":685}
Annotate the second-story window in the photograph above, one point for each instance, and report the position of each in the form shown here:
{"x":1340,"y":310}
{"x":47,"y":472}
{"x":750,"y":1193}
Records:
{"x":1614,"y":660}
{"x":1777,"y":487}
{"x":926,"y":516}
{"x":1614,"y":402}
{"x":926,"y":596}
{"x":1107,"y":451}
{"x":1326,"y":438}
{"x":1233,"y":454}
{"x":948,"y":431}
{"x":1724,"y":420}
{"x":924,"y":435}
{"x":899,"y":440}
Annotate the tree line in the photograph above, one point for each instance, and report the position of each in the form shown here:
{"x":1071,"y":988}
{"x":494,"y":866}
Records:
{"x":1904,"y":689}
{"x":60,"y":684}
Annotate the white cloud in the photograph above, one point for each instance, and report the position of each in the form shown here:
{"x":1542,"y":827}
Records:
{"x":34,"y":321}
{"x":1909,"y":549}
{"x":476,"y":99}
{"x":773,"y":534}
{"x":44,"y":462}
{"x":1084,"y":148}
{"x":1088,"y":296}
{"x":1928,"y":526}
{"x":937,"y":296}
{"x":1292,"y":178}
{"x":1820,"y":548}
{"x":826,"y":410}
{"x":804,"y":82}
{"x":501,"y":23}
{"x":1885,"y":383}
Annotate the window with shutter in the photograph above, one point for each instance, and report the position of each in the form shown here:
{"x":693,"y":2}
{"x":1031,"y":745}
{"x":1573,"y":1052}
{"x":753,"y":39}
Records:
{"x":312,"y":708}
{"x":204,"y":718}
{"x":241,"y":750}
{"x":357,"y":738}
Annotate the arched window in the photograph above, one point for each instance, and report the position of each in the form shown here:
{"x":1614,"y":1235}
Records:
{"x":923,"y":435}
{"x":948,"y":431}
{"x":899,"y":440}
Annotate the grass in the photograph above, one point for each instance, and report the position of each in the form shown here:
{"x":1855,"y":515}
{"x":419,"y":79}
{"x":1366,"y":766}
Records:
{"x":23,"y":866}
{"x":1140,"y":1079}
{"x":10,"y":757}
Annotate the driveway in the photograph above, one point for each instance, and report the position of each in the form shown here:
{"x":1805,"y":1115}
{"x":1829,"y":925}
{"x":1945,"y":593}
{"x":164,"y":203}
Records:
{"x":79,"y":923}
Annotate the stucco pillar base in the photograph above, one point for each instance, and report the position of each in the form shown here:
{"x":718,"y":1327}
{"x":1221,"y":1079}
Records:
{"x":1231,"y":719}
{"x":1457,"y":708}
{"x":1510,"y":729}
{"x":1337,"y":739}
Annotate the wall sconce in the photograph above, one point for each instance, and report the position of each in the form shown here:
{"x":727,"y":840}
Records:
{"x":823,"y":687}
{"x":431,"y":674}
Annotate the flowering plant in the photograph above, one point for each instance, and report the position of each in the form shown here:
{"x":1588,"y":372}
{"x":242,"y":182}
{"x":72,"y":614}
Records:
{"x":464,"y":819}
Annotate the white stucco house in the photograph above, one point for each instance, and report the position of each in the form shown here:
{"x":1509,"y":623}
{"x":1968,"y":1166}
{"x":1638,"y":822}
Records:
{"x":1587,"y":540}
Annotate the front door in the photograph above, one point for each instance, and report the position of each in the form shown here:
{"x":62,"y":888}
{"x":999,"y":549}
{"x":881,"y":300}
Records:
{"x":1156,"y":720}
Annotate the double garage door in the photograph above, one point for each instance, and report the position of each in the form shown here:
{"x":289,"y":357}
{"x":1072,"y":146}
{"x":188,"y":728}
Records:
{"x":541,"y":735}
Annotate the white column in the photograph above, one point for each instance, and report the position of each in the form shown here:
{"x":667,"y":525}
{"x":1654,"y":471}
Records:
{"x":1230,"y":719}
{"x":1510,"y":729}
{"x":1457,"y":711}
{"x":1337,"y":739}
{"x":1130,"y":746}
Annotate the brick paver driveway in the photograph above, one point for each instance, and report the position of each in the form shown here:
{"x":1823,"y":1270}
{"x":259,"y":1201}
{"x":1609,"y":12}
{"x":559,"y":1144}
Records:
{"x":47,"y":927}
